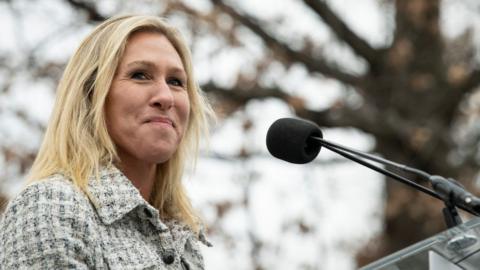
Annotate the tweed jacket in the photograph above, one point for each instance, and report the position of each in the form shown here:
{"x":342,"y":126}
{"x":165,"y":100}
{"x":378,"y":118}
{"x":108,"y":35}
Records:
{"x":52,"y":225}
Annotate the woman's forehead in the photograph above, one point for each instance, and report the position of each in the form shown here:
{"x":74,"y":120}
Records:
{"x":149,"y":49}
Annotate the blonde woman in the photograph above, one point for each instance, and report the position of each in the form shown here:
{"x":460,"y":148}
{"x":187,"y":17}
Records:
{"x":105,"y":190}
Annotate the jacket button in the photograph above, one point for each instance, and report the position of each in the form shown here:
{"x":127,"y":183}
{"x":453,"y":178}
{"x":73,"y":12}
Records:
{"x":168,"y":257}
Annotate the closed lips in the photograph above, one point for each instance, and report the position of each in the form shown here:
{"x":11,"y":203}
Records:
{"x":160,"y":120}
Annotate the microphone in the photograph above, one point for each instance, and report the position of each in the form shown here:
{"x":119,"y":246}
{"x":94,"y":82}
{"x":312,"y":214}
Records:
{"x":299,"y":141}
{"x":293,"y":140}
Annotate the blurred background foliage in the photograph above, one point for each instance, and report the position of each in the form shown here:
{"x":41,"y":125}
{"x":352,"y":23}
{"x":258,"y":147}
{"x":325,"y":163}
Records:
{"x":399,"y":72}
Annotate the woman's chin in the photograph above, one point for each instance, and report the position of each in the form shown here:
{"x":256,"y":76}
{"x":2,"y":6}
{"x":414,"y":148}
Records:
{"x":147,"y":153}
{"x":159,"y":157}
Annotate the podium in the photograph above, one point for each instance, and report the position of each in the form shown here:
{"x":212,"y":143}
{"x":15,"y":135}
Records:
{"x":455,"y":248}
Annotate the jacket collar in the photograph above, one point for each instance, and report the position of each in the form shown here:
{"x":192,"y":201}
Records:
{"x":114,"y":196}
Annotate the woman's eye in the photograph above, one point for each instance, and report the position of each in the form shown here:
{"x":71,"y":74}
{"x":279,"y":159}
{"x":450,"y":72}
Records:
{"x":139,"y":76}
{"x":175,"y":82}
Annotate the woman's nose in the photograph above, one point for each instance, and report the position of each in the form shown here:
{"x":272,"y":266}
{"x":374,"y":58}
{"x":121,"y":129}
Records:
{"x":163,"y":96}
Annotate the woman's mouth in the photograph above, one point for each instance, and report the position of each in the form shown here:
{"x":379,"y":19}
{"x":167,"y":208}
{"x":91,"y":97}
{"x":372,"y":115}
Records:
{"x":160,"y":120}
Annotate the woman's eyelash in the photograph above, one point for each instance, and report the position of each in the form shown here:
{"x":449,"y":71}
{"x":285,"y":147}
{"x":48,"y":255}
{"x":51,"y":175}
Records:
{"x":176,"y":82}
{"x":139,"y":75}
{"x":142,"y":75}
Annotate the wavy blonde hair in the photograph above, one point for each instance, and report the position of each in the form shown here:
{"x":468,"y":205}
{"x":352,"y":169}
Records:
{"x":77,"y":142}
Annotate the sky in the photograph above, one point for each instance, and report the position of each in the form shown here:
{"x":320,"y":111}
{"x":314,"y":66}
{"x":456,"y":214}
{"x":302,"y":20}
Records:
{"x":339,"y":202}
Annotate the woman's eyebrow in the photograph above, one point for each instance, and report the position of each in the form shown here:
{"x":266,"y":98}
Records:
{"x":178,"y":72}
{"x":152,"y":65}
{"x":142,"y":63}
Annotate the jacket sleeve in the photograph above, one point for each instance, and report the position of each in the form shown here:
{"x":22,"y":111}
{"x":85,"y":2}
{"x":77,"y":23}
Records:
{"x":46,"y":227}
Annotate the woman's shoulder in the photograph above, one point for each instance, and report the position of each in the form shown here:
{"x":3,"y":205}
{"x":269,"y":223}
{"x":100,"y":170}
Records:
{"x":45,"y":207}
{"x":55,"y":196}
{"x":55,"y":189}
{"x":47,"y":221}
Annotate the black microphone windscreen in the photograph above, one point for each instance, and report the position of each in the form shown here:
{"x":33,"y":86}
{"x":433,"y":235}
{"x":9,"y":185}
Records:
{"x":290,"y":139}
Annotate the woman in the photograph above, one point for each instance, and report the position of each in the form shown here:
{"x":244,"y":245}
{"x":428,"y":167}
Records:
{"x":105,"y":190}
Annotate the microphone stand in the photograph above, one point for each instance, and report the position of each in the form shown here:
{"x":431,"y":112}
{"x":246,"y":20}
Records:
{"x":448,"y":190}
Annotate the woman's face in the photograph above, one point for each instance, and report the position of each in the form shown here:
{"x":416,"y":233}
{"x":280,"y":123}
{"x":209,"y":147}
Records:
{"x":147,"y":107}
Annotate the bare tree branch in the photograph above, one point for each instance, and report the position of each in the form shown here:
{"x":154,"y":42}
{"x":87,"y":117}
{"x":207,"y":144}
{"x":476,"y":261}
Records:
{"x":360,"y":118}
{"x":233,"y":99}
{"x":457,"y":94}
{"x":343,"y":32}
{"x":91,"y":10}
{"x":244,"y":95}
{"x":364,"y":118}
{"x":472,"y":82}
{"x":312,"y":64}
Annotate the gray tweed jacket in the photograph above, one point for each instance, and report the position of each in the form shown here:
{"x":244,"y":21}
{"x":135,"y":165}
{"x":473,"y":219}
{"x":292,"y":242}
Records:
{"x":52,"y":225}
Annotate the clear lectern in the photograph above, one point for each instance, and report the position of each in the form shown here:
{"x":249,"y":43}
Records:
{"x":454,"y":249}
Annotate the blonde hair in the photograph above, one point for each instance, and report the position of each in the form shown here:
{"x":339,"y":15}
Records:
{"x":77,"y":142}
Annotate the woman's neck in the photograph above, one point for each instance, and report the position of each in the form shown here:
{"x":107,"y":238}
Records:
{"x":142,"y":175}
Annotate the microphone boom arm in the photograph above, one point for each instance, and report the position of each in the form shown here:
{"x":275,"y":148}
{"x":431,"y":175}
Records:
{"x":345,"y":153}
{"x":399,"y":166}
{"x":448,"y":192}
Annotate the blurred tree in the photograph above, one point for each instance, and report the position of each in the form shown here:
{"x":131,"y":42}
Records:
{"x":416,"y":94}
